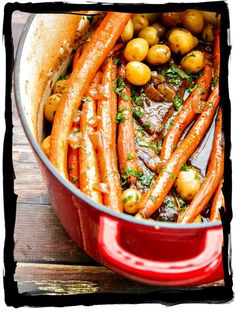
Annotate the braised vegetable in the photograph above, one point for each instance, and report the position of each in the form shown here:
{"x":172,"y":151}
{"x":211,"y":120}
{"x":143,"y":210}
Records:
{"x":134,"y":116}
{"x":91,"y":59}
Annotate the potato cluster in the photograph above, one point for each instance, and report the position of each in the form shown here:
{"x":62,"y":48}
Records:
{"x":151,"y":40}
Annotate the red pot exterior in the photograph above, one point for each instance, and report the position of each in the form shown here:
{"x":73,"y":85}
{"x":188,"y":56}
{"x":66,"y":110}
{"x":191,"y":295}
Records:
{"x":94,"y":231}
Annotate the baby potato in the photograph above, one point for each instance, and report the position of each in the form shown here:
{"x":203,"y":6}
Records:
{"x":193,"y":62}
{"x":128,"y":31}
{"x":137,"y":73}
{"x":50,"y":107}
{"x":150,"y":34}
{"x":160,"y":29}
{"x":193,"y":21}
{"x":171,"y":19}
{"x":131,"y":198}
{"x":211,"y":17}
{"x":158,"y":54}
{"x":139,"y":21}
{"x":208,"y":33}
{"x":46,"y":145}
{"x":188,"y":183}
{"x":59,"y":87}
{"x":136,"y":49}
{"x":181,"y":41}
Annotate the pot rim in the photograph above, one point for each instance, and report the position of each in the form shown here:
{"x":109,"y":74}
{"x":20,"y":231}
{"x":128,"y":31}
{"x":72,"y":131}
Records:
{"x":75,"y":191}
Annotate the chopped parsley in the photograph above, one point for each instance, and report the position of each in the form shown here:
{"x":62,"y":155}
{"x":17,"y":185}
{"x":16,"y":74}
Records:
{"x":147,"y":180}
{"x":153,"y":198}
{"x":185,"y":167}
{"x":61,"y":77}
{"x":177,"y":101}
{"x":182,"y":203}
{"x":154,"y":146}
{"x":214,"y":81}
{"x":170,"y":204}
{"x":85,"y":99}
{"x":137,"y":113}
{"x":190,"y":89}
{"x":116,"y":61}
{"x":211,"y":105}
{"x":174,"y":75}
{"x":129,"y":157}
{"x":128,"y":172}
{"x":147,"y":124}
{"x":120,"y":117}
{"x":136,"y":98}
{"x":90,"y":18}
{"x":127,"y":198}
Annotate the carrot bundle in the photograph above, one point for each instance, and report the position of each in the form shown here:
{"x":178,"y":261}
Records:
{"x":188,"y":112}
{"x":213,"y":177}
{"x":93,"y":55}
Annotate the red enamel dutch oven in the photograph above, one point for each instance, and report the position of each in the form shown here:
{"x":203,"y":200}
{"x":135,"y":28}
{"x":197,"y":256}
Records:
{"x":152,"y":252}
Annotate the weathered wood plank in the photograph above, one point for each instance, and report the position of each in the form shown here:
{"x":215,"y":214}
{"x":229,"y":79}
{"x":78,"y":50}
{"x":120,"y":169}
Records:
{"x":40,"y":237}
{"x":70,"y":280}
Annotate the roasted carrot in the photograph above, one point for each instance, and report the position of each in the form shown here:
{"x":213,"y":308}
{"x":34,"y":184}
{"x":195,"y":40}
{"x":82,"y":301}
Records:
{"x":76,"y":57}
{"x":125,"y":141}
{"x":108,"y":169}
{"x":213,"y":177}
{"x":187,"y":113}
{"x":73,"y":160}
{"x":216,"y":53}
{"x":88,"y":163}
{"x":217,"y":203}
{"x":93,"y":55}
{"x":165,"y":180}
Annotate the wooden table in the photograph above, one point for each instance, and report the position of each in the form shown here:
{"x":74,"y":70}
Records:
{"x":49,"y":263}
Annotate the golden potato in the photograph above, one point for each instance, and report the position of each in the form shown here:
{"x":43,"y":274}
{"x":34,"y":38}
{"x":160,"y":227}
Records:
{"x":158,"y":54}
{"x":171,"y":19}
{"x":46,"y":145}
{"x":193,"y":62}
{"x":160,"y":29}
{"x":181,"y":41}
{"x":137,"y":73}
{"x":193,"y":21}
{"x":136,"y":49}
{"x":188,"y":183}
{"x":150,"y":34}
{"x":208,"y":33}
{"x":139,"y":21}
{"x":59,"y":87}
{"x":128,"y":31}
{"x":131,"y":198}
{"x":50,"y":107}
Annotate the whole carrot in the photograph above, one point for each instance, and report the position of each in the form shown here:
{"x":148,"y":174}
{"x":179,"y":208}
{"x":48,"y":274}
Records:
{"x":108,"y":167}
{"x":89,"y":169}
{"x":213,"y":177}
{"x":125,"y":141}
{"x":217,"y":202}
{"x":188,"y":112}
{"x":93,"y":55}
{"x":165,"y":180}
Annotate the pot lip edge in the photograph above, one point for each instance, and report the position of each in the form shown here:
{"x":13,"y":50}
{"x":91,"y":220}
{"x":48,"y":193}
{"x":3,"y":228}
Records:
{"x":69,"y":186}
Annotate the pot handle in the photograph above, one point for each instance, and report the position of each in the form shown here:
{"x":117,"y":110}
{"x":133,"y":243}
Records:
{"x":183,"y":272}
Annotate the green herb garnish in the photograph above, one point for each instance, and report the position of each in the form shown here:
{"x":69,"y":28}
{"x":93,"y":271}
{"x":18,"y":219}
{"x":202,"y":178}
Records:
{"x":177,"y":101}
{"x":214,"y":81}
{"x":137,"y":113}
{"x":120,"y":117}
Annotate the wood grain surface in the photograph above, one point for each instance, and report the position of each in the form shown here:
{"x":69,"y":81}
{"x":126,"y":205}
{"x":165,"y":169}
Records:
{"x":48,"y":261}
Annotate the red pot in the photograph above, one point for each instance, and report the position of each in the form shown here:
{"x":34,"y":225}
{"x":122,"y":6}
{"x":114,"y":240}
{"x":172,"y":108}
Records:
{"x":152,"y":252}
